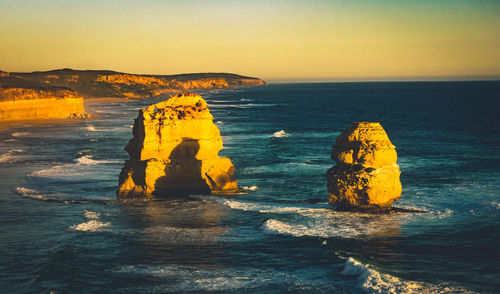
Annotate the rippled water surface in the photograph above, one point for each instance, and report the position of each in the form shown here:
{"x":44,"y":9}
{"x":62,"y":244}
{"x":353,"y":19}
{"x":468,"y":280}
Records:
{"x":63,"y":230}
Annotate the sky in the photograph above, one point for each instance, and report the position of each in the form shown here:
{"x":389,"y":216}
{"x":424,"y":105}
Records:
{"x":278,"y":40}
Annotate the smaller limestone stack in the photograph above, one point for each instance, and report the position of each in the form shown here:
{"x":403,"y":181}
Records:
{"x":175,"y":151}
{"x":366,"y":177}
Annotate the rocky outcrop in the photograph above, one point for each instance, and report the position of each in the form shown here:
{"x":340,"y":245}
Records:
{"x":95,"y":84}
{"x":175,"y":151}
{"x":366,"y":177}
{"x":21,"y":99}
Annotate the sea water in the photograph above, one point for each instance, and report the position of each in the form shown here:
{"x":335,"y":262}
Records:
{"x":63,"y":230}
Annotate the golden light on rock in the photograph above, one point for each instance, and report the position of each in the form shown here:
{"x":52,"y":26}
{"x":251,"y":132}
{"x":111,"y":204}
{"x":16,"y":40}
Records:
{"x":366,"y":176}
{"x":175,"y":151}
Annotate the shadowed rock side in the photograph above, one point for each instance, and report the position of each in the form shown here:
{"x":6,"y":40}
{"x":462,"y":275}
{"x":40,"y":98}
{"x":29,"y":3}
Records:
{"x":22,"y":99}
{"x":175,"y":151}
{"x":366,"y":177}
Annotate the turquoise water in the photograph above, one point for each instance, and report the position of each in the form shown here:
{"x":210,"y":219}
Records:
{"x":63,"y":230}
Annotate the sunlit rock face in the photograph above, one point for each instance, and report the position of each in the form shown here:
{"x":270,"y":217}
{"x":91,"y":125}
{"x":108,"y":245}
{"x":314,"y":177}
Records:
{"x":175,"y":151}
{"x":366,"y":177}
{"x":22,"y":103}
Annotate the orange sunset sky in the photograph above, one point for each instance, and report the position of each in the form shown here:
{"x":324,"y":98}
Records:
{"x":273,"y":40}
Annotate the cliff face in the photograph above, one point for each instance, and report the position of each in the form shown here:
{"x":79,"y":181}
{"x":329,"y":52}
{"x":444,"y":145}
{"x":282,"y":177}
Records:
{"x":92,"y":84}
{"x":366,"y":176}
{"x":175,"y":151}
{"x":21,"y":99}
{"x":48,"y":108}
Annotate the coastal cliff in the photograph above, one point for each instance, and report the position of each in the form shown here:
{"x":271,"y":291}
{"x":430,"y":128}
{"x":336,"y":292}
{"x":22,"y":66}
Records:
{"x":21,"y":99}
{"x":175,"y":151}
{"x":366,"y":177}
{"x":96,"y":84}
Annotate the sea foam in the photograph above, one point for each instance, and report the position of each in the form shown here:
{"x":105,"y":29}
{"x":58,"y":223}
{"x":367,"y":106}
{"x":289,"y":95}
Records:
{"x":333,"y":224}
{"x":92,"y":225}
{"x":10,"y":156}
{"x":20,"y":134}
{"x":182,"y":278}
{"x":83,"y":168}
{"x":266,"y":207}
{"x":320,"y":220}
{"x":89,"y":128}
{"x":250,"y":188}
{"x":30,"y":193}
{"x":280,"y":134}
{"x":372,"y":281}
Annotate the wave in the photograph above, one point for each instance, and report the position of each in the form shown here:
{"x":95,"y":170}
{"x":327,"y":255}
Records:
{"x":225,"y":101}
{"x":250,"y":188}
{"x":29,"y":193}
{"x":91,"y":214}
{"x":37,"y":195}
{"x":266,"y":207}
{"x":251,"y":105}
{"x":243,"y":106}
{"x":89,"y":226}
{"x":83,"y":169}
{"x":182,"y":278}
{"x":10,"y":156}
{"x":92,"y":225}
{"x":89,"y":128}
{"x":245,"y":99}
{"x":320,"y":220}
{"x":280,"y":134}
{"x":371,"y":281}
{"x":20,"y":134}
{"x":109,"y":111}
{"x":87,"y":159}
{"x":328,"y":223}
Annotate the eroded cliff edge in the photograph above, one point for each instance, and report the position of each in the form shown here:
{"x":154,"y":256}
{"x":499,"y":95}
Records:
{"x":104,"y":83}
{"x":22,"y":99}
{"x":174,"y":151}
{"x":366,"y":177}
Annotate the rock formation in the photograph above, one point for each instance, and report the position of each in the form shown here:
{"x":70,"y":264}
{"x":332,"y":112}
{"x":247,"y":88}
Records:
{"x":366,"y":177}
{"x":175,"y":151}
{"x":21,"y":99}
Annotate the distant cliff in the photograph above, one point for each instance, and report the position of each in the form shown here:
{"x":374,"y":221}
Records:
{"x":96,"y":84}
{"x":24,"y":99}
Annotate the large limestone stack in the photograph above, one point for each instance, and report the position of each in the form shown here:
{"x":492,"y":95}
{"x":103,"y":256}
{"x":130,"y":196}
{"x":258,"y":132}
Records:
{"x":366,"y":177}
{"x":175,"y":151}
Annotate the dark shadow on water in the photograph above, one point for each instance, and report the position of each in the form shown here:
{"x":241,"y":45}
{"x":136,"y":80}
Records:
{"x":380,"y":210}
{"x":183,"y":175}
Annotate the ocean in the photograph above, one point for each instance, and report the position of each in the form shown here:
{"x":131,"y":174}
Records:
{"x":64,"y":231}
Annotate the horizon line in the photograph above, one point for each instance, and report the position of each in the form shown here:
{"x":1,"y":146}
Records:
{"x":384,"y":79}
{"x":307,"y":80}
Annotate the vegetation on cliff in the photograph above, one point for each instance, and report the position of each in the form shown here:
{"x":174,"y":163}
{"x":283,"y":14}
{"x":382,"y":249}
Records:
{"x":25,"y":99}
{"x":102,"y":83}
{"x":13,"y":87}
